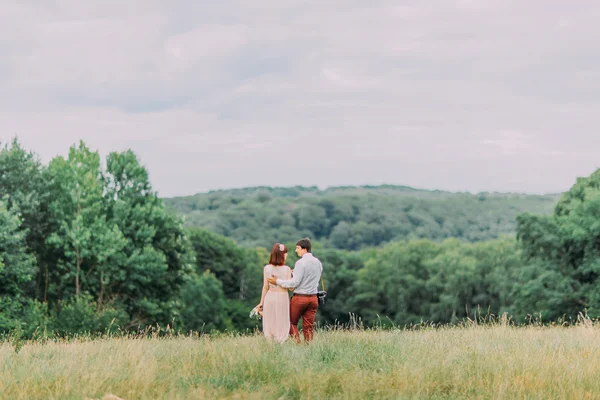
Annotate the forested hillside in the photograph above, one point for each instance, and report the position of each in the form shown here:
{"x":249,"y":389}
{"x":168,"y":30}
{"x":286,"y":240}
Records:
{"x":87,"y":245}
{"x":353,"y":218}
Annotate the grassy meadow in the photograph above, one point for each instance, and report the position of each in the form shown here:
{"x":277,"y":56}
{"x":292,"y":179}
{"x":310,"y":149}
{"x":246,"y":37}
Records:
{"x":495,"y":362}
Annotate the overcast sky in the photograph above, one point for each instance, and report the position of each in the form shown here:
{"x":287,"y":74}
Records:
{"x":481,"y":95}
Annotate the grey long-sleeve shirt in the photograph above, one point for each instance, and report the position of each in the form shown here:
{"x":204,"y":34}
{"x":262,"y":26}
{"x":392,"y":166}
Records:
{"x":307,"y":274}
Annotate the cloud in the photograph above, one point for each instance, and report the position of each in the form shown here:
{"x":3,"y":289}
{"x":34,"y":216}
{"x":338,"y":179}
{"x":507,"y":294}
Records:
{"x":457,"y":95}
{"x":512,"y":142}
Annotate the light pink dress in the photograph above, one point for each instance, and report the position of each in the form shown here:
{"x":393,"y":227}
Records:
{"x":276,"y":306}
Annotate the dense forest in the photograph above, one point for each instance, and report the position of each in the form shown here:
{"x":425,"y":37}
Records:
{"x":354,"y":218}
{"x":87,"y":245}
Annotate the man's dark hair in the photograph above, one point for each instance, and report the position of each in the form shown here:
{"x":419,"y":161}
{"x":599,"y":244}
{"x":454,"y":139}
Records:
{"x":304,"y":244}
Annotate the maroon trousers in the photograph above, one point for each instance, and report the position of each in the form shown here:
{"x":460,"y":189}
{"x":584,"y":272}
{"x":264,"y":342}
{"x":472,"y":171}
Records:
{"x":305,"y":307}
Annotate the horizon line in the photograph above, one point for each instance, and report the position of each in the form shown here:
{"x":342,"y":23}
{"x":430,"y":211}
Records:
{"x":364,"y":186}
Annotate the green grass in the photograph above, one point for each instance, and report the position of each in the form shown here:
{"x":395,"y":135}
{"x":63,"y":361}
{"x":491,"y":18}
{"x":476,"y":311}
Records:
{"x":487,"y":362}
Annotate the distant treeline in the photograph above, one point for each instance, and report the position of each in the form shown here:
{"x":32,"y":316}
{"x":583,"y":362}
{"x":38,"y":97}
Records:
{"x":86,"y":245}
{"x":354,"y":218}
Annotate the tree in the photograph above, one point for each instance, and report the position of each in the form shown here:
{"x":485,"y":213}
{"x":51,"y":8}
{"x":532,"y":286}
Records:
{"x":86,"y":238}
{"x":454,"y":279}
{"x":499,"y":263}
{"x":562,"y":253}
{"x":221,"y":256}
{"x":17,"y":264}
{"x":340,"y":270}
{"x":252,"y":275}
{"x":395,"y":283}
{"x":24,"y":185}
{"x":311,"y":220}
{"x":203,"y":303}
{"x":150,"y":269}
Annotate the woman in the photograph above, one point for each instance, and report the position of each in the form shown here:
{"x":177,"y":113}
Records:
{"x":275,"y":301}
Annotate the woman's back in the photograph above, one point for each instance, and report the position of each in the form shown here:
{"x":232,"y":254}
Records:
{"x":280,"y":272}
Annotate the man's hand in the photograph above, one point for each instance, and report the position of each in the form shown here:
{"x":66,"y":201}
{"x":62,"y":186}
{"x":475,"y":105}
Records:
{"x":272,"y":280}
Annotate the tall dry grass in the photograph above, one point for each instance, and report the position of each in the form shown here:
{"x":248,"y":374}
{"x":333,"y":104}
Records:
{"x":488,"y":362}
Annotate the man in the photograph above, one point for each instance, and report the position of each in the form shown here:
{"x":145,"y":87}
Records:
{"x":305,"y":281}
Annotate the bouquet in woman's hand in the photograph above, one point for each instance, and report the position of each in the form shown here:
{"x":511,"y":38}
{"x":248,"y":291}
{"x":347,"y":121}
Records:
{"x":256,"y":312}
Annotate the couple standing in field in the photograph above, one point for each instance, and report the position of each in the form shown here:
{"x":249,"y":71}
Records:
{"x":280,"y":315}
